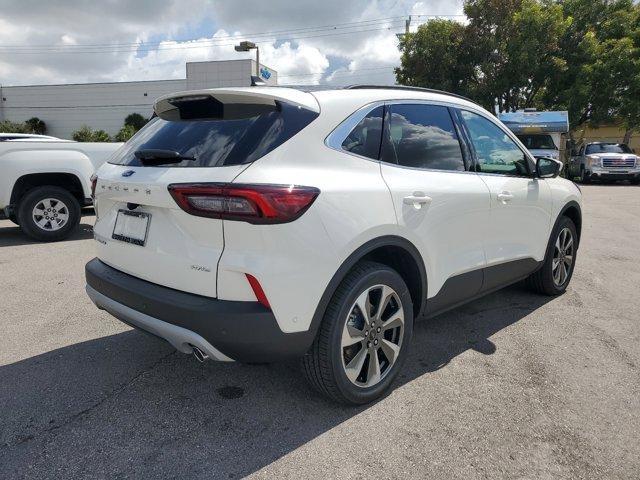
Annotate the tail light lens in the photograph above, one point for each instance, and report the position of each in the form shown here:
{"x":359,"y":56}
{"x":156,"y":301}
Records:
{"x":258,"y":204}
{"x":94,"y":182}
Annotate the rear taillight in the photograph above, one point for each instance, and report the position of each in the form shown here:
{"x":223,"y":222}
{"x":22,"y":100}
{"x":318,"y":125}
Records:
{"x":94,"y":182}
{"x":261,"y":204}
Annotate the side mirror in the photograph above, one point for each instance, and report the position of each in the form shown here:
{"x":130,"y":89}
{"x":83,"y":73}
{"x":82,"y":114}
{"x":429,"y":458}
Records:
{"x":548,"y":167}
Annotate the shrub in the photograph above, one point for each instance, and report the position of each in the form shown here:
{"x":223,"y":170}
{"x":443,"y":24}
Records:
{"x":125,"y":133}
{"x":12,"y":127}
{"x":136,"y":121}
{"x":86,"y":134}
{"x":35,"y":125}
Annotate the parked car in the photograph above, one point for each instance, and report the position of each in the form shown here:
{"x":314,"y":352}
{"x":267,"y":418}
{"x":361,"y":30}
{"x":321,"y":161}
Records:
{"x":44,"y":182}
{"x":5,"y":137}
{"x":605,"y":161}
{"x":258,"y":224}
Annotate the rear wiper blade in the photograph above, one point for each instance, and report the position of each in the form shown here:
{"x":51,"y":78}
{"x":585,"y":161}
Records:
{"x":153,"y":156}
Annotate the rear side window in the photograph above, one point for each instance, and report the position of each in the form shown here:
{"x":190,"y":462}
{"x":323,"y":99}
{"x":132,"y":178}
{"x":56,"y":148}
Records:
{"x":216,"y":143}
{"x":422,"y":136}
{"x":365,"y":138}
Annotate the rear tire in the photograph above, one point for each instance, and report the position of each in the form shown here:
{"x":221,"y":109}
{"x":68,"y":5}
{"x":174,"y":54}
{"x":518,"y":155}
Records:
{"x":48,"y":213}
{"x":357,"y":355}
{"x":554,"y":276}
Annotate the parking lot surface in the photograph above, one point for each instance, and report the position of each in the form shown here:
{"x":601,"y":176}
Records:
{"x":514,"y":385}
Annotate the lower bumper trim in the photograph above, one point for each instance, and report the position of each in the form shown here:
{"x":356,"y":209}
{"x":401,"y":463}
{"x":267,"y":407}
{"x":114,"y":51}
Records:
{"x":182,"y":339}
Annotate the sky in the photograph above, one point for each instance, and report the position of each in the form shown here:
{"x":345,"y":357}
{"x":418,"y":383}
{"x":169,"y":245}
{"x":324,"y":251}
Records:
{"x":307,"y":41}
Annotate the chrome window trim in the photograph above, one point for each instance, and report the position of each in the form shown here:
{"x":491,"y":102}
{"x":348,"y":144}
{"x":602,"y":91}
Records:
{"x":339,"y":134}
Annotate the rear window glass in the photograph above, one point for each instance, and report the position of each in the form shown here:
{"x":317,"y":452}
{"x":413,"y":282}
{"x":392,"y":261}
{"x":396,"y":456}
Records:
{"x":216,"y":143}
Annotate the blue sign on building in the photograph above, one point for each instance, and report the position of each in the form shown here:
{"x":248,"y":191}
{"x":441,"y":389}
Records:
{"x":265,"y":73}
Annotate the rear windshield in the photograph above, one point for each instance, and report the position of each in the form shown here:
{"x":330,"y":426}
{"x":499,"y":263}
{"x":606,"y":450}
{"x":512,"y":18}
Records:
{"x":607,"y":148}
{"x":216,"y":143}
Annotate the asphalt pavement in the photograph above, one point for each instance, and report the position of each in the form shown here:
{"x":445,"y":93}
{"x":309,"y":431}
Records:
{"x":514,"y":385}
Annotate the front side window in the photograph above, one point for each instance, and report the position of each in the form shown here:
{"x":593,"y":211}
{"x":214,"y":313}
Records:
{"x":365,"y":138}
{"x":422,"y":136}
{"x":495,"y":151}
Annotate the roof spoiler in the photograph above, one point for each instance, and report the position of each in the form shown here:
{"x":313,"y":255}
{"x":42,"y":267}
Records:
{"x":229,"y":103}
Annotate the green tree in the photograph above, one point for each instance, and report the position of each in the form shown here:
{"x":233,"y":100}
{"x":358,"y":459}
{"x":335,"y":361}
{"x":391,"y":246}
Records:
{"x":125,"y":133}
{"x":35,"y":125}
{"x":438,"y":56}
{"x":502,"y":57}
{"x":135,"y":120}
{"x":601,"y":50}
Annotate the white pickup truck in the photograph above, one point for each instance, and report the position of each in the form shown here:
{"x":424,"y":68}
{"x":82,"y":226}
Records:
{"x":45,"y":181}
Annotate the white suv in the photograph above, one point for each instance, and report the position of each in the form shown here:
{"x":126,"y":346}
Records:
{"x":262,"y":223}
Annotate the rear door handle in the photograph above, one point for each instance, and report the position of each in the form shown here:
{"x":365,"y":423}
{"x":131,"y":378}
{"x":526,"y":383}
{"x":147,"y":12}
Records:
{"x":505,"y":197}
{"x":418,"y":200}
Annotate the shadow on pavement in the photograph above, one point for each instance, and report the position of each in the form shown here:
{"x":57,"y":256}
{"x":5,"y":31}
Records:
{"x":128,"y":404}
{"x":12,"y":236}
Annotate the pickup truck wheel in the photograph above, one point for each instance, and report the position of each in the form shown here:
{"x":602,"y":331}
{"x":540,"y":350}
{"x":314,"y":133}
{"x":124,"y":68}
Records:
{"x":363,"y":340}
{"x":555,"y":274}
{"x":48,"y":213}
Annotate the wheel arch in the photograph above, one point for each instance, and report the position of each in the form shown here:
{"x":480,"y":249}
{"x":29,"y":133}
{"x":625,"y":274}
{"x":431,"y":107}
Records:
{"x":68,"y":181}
{"x":393,"y":251}
{"x":573,"y":211}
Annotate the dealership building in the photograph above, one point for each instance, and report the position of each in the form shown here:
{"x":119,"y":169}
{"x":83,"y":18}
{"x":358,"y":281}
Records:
{"x":65,"y":108}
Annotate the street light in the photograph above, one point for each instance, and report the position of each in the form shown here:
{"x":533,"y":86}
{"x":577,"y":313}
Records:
{"x":247,"y":46}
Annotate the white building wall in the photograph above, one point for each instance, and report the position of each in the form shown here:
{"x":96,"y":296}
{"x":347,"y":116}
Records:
{"x":65,"y":108}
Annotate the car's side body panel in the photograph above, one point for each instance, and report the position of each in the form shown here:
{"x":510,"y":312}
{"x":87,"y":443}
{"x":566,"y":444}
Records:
{"x":18,"y":159}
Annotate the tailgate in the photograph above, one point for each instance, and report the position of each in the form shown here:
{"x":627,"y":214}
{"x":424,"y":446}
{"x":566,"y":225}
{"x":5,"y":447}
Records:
{"x":180,"y":251}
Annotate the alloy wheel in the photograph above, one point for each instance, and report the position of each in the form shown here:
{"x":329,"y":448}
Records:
{"x":563,"y":254}
{"x":372,"y":336}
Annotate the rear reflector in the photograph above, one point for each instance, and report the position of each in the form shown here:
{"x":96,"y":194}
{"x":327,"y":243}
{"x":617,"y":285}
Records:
{"x":257,"y":290}
{"x":94,"y":182}
{"x":259,"y":204}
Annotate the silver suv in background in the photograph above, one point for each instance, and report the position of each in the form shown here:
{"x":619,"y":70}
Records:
{"x":605,"y":161}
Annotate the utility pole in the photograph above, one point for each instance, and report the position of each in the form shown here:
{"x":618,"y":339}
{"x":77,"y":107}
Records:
{"x":407,"y":26}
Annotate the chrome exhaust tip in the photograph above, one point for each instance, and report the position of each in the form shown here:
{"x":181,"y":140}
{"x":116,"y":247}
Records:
{"x":199,"y":354}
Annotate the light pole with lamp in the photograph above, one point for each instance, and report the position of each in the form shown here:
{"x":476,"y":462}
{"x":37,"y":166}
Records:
{"x":246,"y":47}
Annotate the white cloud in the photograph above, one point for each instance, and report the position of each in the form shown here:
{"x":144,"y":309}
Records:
{"x":301,"y":52}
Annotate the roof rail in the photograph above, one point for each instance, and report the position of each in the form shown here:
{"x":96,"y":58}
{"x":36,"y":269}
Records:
{"x":406,"y":87}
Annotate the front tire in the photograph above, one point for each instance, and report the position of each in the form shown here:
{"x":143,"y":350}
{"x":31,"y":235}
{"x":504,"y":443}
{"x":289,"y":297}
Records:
{"x":49,"y":213}
{"x":584,"y":178}
{"x":555,"y":274}
{"x":363,"y":340}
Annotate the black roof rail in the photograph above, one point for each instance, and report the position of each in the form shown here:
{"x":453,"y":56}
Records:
{"x":406,"y":87}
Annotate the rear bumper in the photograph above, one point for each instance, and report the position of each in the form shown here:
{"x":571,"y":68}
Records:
{"x":224,"y":330}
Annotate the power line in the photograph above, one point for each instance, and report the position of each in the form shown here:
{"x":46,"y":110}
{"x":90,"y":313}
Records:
{"x":222,"y":37}
{"x":314,"y":32}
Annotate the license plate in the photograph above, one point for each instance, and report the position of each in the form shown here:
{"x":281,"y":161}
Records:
{"x":131,"y":227}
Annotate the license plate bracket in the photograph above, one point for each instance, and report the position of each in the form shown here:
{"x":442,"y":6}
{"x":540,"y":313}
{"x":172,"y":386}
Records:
{"x":131,"y":227}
